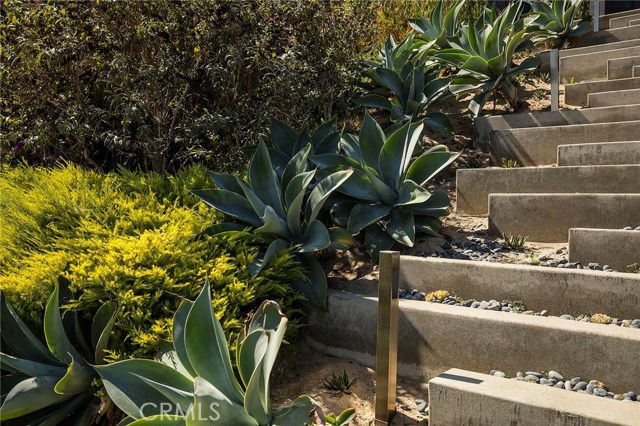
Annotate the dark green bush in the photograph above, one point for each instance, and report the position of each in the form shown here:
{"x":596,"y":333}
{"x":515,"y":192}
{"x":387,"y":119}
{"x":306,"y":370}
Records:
{"x":157,"y":84}
{"x":131,"y":237}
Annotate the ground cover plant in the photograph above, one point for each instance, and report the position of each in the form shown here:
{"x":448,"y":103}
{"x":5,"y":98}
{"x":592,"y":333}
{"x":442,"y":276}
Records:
{"x":134,"y":238}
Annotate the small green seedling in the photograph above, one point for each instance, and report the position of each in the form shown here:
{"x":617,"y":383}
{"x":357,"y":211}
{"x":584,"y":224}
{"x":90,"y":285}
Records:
{"x":509,"y":164}
{"x":514,"y":242}
{"x":339,"y":383}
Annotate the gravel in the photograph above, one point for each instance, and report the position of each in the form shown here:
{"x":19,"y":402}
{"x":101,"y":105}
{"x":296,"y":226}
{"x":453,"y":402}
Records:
{"x":575,"y":384}
{"x":443,"y":297}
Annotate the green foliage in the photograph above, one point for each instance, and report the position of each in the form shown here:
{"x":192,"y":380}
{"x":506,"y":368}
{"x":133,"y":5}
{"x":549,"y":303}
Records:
{"x":52,"y":384}
{"x":339,"y":383}
{"x":554,"y":24}
{"x":514,"y":242}
{"x":132,"y":237}
{"x":439,"y":26}
{"x":385,"y":195}
{"x":341,"y":420}
{"x":484,"y":53}
{"x":195,"y":376}
{"x":507,"y":163}
{"x":154,"y":85}
{"x":283,"y":213}
{"x":634,"y":268}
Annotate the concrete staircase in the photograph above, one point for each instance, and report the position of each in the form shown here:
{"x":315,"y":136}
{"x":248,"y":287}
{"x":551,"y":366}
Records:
{"x":580,"y":185}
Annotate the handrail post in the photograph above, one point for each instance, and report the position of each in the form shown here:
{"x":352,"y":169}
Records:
{"x":596,"y":16}
{"x":387,"y":337}
{"x":554,"y":76}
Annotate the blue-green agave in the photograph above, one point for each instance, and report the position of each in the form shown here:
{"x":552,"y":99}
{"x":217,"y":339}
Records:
{"x":51,"y":384}
{"x":439,"y":26}
{"x":385,"y":194}
{"x":284,"y":211}
{"x":194,"y":384}
{"x":554,"y":24}
{"x":484,"y":56}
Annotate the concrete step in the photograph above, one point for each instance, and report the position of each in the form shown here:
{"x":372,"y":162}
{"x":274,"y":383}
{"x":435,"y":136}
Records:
{"x":593,"y":66}
{"x":577,"y":94}
{"x":633,"y":22}
{"x":636,"y":71}
{"x":614,"y":98}
{"x":473,"y":186}
{"x":539,"y":146}
{"x":605,"y":19}
{"x":614,"y":247}
{"x":482,"y":126}
{"x":557,"y":290}
{"x":547,"y":218}
{"x":623,"y":21}
{"x":606,"y":36}
{"x":597,"y":48}
{"x":461,"y":397}
{"x":622,"y":67}
{"x":433,"y":338}
{"x":599,"y":154}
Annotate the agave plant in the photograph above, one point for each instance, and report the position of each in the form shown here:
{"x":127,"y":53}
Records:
{"x":555,"y":24}
{"x":287,"y":142}
{"x":51,"y":384}
{"x":406,"y":90}
{"x":438,"y":26}
{"x":484,"y":57}
{"x":386,"y":194}
{"x":193,"y":383}
{"x":284,"y":212}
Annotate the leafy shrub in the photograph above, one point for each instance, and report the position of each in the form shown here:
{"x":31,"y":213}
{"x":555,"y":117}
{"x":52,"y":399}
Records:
{"x":154,"y":85}
{"x":132,"y":237}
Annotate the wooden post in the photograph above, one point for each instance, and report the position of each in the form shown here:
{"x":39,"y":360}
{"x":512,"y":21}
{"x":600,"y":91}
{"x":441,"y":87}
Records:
{"x":387,"y":337}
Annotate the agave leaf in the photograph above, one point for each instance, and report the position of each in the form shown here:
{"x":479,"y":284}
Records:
{"x":428,"y":224}
{"x":296,"y":166}
{"x":300,"y":413}
{"x":28,"y":367}
{"x":279,"y":161}
{"x":264,"y":181}
{"x":371,"y":141}
{"x":101,"y":327}
{"x":374,"y":101}
{"x":130,"y":393}
{"x":210,"y":359}
{"x":440,"y":122}
{"x":229,"y":203}
{"x":250,"y":353}
{"x":396,"y":154}
{"x":430,"y":164}
{"x":77,"y":378}
{"x":20,"y":339}
{"x":273,"y":224}
{"x":54,"y":331}
{"x":74,"y":412}
{"x":401,"y":227}
{"x":314,"y":286}
{"x":364,"y":215}
{"x":276,"y":247}
{"x":437,"y":205}
{"x":346,"y":416}
{"x":181,"y":399}
{"x":158,"y":420}
{"x":30,"y":395}
{"x":214,"y":405}
{"x":360,"y":187}
{"x":168,"y":356}
{"x":322,"y":191}
{"x":179,"y":322}
{"x":325,"y":161}
{"x":222,"y":228}
{"x":330,"y":144}
{"x":341,"y":239}
{"x":325,"y":130}
{"x":412,"y":193}
{"x":528,"y":64}
{"x":226,"y":181}
{"x":283,"y":137}
{"x":376,"y":240}
{"x":351,"y":147}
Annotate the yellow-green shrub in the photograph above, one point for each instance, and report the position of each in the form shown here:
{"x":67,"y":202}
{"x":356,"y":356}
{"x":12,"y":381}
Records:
{"x":131,"y":237}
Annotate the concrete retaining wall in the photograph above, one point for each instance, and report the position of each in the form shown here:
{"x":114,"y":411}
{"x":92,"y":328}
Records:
{"x":576,"y":94}
{"x":623,"y":21}
{"x":605,"y":19}
{"x":482,"y":126}
{"x":539,"y":146}
{"x":622,"y":67}
{"x":560,"y":291}
{"x":592,"y":66}
{"x":614,"y":247}
{"x":459,"y":397}
{"x":473,"y":186}
{"x":617,"y":98}
{"x":636,"y":71}
{"x":548,"y":217}
{"x":607,"y":36}
{"x":434,"y":338}
{"x":594,"y":154}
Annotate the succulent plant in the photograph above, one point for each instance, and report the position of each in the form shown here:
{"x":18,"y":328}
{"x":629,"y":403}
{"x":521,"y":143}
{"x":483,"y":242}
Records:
{"x":193,"y":383}
{"x":484,"y":56}
{"x":284,"y":212}
{"x":51,"y":384}
{"x":385,"y":194}
{"x":555,"y":23}
{"x":438,"y":26}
